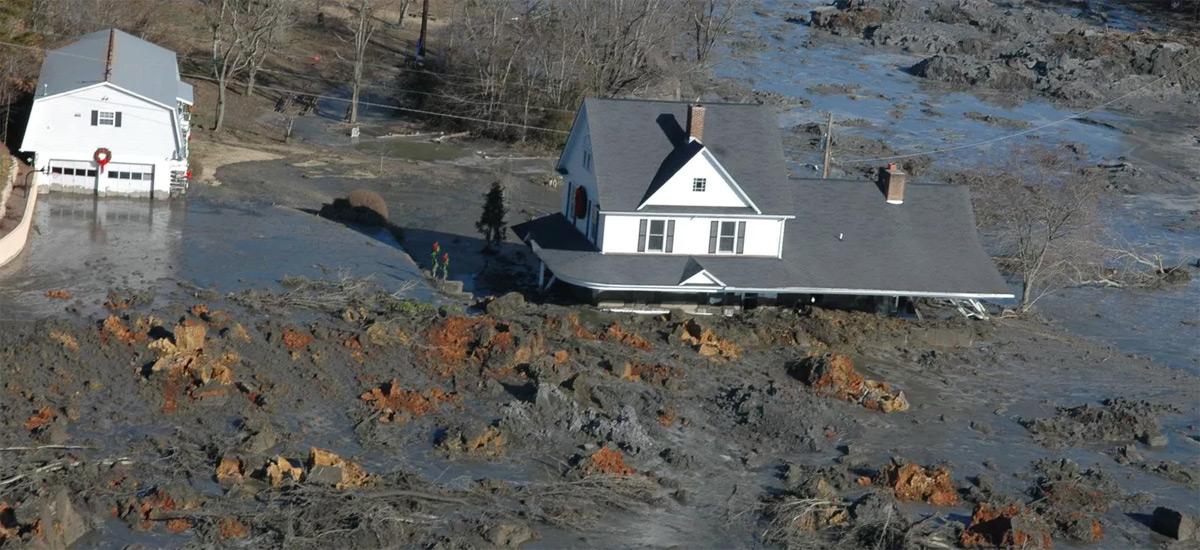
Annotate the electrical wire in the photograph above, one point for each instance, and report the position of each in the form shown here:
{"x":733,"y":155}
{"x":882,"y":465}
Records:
{"x":329,"y":98}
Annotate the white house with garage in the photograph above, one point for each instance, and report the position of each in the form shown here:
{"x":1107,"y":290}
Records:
{"x":111,"y":116}
{"x":676,"y":203}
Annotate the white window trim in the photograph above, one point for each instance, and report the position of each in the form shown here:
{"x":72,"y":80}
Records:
{"x":699,"y":185}
{"x":106,"y":118}
{"x":650,"y":234}
{"x":732,"y":251}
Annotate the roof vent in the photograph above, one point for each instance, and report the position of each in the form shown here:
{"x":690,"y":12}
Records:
{"x":695,"y":122}
{"x":892,"y":180}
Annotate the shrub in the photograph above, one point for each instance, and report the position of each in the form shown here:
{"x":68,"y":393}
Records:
{"x":370,"y":200}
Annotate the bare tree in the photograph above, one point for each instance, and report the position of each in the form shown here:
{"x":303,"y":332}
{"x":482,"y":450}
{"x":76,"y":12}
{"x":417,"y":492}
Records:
{"x":229,"y":48}
{"x":710,"y":19}
{"x":270,"y":20}
{"x":1042,"y":221}
{"x":364,"y":27}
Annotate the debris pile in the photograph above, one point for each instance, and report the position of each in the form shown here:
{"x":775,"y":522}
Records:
{"x":488,"y":442}
{"x":915,"y":483}
{"x":1008,"y":526}
{"x":327,"y":468}
{"x":1073,"y":500}
{"x":649,"y":373}
{"x":607,"y":461}
{"x":1117,"y":420}
{"x":833,"y":375}
{"x":394,"y":404}
{"x":706,"y":342}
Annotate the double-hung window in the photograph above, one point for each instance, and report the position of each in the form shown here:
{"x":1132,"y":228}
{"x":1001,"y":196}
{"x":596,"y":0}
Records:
{"x":656,"y":236}
{"x":106,"y":118}
{"x":726,"y":237}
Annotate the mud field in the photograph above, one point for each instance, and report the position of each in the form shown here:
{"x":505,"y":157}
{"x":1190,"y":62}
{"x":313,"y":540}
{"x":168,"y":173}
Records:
{"x":331,"y":414}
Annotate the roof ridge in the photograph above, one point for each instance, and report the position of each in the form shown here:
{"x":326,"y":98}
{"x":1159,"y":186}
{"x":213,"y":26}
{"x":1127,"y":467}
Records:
{"x":111,"y":55}
{"x":673,"y":101}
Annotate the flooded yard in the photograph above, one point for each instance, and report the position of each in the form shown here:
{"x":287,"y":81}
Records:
{"x":89,"y":246}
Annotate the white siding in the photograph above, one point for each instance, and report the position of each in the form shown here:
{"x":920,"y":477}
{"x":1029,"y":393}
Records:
{"x":677,"y":191}
{"x":578,"y":172}
{"x":691,"y":234}
{"x":60,"y":128}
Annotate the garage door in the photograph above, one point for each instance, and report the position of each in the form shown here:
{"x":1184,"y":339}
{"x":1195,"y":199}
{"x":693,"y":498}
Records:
{"x":73,"y":173}
{"x":129,"y":178}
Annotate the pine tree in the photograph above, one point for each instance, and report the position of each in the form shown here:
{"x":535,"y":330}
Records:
{"x":491,"y":223}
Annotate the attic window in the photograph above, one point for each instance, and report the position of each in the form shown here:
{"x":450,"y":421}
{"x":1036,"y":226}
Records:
{"x":106,"y":118}
{"x":699,"y":185}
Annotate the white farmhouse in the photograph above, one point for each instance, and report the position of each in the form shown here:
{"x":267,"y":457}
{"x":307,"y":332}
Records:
{"x":671,"y":203}
{"x":111,"y":94}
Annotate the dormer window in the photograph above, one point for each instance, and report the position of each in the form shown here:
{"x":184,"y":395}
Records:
{"x":699,"y":185}
{"x":587,"y":159}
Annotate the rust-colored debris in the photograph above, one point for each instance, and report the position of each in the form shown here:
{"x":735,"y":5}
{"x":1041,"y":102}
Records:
{"x":607,"y":461}
{"x":457,"y":342}
{"x":1011,"y":526}
{"x":230,"y":471}
{"x":116,"y":328}
{"x":833,"y":375}
{"x":40,"y":419}
{"x":561,"y":357}
{"x":384,"y":334}
{"x":9,"y":528}
{"x":296,"y":340}
{"x":578,"y":329}
{"x":617,"y":333}
{"x":59,"y":294}
{"x":706,"y":342}
{"x":347,"y":473}
{"x":281,"y":469}
{"x":188,"y":369}
{"x":238,"y":332}
{"x":232,"y":528}
{"x":914,"y":483}
{"x":395,"y":404}
{"x":143,"y":512}
{"x":489,"y":442}
{"x":200,"y":310}
{"x":656,"y":373}
{"x":67,"y":341}
{"x":355,"y":347}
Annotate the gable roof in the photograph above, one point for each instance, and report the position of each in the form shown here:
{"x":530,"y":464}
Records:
{"x":927,"y":246}
{"x":638,"y":144}
{"x":694,"y":273}
{"x":134,"y":64}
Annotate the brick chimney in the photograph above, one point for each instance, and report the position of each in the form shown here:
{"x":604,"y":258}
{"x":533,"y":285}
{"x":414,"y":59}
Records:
{"x":893,"y":179}
{"x":695,"y":122}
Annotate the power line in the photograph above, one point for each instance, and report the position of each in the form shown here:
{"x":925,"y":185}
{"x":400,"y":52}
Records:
{"x":399,"y":108}
{"x":417,"y":92}
{"x":331,"y":98}
{"x":1028,"y":130}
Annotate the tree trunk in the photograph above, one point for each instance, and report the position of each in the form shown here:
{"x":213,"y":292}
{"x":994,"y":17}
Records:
{"x":1026,"y":294}
{"x":220,"y":105}
{"x":251,"y":78}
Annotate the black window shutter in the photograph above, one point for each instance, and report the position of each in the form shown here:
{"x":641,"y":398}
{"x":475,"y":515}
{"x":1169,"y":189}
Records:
{"x":670,"y":236}
{"x":712,"y":236}
{"x":117,"y":122}
{"x":741,"y":237}
{"x":95,"y":118}
{"x":642,"y":236}
{"x":570,"y":199}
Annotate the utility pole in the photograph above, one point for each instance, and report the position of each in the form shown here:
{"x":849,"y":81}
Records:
{"x":828,"y":147}
{"x":424,"y":25}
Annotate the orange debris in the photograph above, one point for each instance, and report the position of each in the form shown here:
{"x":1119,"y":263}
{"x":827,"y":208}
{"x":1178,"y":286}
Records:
{"x":914,"y":483}
{"x":231,"y":528}
{"x":296,"y":340}
{"x":352,"y":475}
{"x":40,"y":419}
{"x":59,"y":294}
{"x":706,"y":342}
{"x":618,"y":333}
{"x":395,"y":404}
{"x":608,"y":461}
{"x":1009,"y":526}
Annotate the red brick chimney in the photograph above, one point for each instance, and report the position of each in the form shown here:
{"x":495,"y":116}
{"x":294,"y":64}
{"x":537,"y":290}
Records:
{"x":695,"y":122}
{"x":893,"y":183}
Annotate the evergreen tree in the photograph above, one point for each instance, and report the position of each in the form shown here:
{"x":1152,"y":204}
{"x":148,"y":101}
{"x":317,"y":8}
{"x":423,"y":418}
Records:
{"x":491,"y":223}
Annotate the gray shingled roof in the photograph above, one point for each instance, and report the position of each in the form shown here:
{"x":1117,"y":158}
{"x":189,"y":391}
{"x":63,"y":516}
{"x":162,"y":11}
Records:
{"x":139,"y":66}
{"x":926,"y":246}
{"x":634,"y":143}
